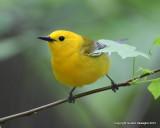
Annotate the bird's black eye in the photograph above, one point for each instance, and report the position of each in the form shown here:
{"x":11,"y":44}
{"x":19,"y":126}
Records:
{"x":61,"y":38}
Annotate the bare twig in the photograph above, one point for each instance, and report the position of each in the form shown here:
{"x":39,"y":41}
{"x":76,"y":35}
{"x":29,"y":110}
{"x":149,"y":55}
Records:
{"x":61,"y":101}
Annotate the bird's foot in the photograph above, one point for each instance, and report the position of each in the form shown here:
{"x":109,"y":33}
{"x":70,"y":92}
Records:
{"x":114,"y":87}
{"x":71,"y":98}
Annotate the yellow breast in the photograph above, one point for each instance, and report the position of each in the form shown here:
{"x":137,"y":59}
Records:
{"x":78,"y":70}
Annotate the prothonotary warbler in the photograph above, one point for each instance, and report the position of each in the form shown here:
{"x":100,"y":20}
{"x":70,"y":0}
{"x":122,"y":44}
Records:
{"x":72,"y":61}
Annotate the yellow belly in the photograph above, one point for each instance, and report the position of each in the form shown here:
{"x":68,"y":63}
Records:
{"x":79,"y":70}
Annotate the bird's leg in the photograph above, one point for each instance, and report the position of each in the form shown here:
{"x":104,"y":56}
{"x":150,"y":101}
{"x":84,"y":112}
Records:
{"x":114,"y":85}
{"x":71,"y":98}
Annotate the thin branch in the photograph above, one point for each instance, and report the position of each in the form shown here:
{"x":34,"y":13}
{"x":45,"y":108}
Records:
{"x":61,"y":101}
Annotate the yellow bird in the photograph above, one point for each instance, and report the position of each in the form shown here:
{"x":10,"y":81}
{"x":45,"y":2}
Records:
{"x":72,"y":61}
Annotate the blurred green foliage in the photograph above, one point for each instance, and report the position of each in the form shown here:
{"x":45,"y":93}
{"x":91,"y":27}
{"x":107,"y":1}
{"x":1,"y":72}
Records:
{"x":154,"y":88}
{"x":22,"y":22}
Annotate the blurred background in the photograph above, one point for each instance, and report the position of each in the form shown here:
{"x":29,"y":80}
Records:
{"x":26,"y":80}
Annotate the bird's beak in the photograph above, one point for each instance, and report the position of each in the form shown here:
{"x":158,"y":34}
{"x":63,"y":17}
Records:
{"x":46,"y":38}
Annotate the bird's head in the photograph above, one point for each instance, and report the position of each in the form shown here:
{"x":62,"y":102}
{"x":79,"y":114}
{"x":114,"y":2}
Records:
{"x":61,"y":40}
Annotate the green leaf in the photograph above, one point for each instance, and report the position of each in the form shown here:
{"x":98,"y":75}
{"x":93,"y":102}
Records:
{"x":145,"y":70}
{"x":154,"y":88}
{"x":124,"y":50}
{"x":157,"y":42}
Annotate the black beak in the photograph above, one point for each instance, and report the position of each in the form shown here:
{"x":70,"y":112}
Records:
{"x":46,"y":38}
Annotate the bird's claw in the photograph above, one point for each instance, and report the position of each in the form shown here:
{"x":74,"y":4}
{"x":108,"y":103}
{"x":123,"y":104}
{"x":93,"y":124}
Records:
{"x":114,"y":87}
{"x":71,"y":99}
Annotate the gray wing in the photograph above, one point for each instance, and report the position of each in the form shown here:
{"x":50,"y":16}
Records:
{"x":97,"y":46}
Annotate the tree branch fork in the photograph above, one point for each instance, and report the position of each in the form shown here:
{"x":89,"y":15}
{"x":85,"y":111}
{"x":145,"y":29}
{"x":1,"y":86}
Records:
{"x":77,"y":96}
